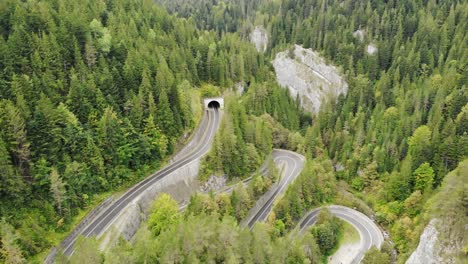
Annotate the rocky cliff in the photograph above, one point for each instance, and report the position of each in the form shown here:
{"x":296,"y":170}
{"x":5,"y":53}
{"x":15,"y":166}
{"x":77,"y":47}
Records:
{"x":428,"y":249}
{"x":443,"y":239}
{"x":305,"y":73}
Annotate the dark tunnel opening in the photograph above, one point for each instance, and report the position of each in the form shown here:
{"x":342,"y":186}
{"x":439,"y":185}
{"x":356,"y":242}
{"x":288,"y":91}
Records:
{"x":214,"y":105}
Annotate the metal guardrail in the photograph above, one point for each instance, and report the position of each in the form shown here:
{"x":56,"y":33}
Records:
{"x":83,"y":223}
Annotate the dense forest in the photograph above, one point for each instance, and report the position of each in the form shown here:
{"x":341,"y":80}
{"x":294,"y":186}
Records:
{"x":95,"y":95}
{"x":246,"y":137}
{"x":403,"y":125}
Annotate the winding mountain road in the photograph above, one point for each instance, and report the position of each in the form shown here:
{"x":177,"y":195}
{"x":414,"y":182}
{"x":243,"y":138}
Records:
{"x":290,"y":162}
{"x":369,"y":232}
{"x":293,"y":164}
{"x":190,"y":153}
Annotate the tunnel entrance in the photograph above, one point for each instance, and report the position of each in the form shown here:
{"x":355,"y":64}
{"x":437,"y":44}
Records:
{"x":214,"y":105}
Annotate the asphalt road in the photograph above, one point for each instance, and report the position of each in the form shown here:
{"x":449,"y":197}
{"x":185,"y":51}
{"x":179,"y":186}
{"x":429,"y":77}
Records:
{"x":102,"y":221}
{"x":369,"y":232}
{"x":293,"y":164}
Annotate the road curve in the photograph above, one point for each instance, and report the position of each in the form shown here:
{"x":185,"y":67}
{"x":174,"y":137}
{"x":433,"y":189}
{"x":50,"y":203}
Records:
{"x":101,"y":222}
{"x":369,"y":232}
{"x":293,"y":164}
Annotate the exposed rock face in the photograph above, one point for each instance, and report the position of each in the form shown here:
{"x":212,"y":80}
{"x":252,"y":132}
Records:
{"x":371,"y":49}
{"x":305,"y":73}
{"x":259,"y":37}
{"x":214,"y":183}
{"x":427,"y":252}
{"x":359,"y":34}
{"x":440,"y":243}
{"x":239,"y":88}
{"x":444,"y":238}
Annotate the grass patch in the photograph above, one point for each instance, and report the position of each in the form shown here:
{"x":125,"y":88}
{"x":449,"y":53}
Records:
{"x":350,"y":234}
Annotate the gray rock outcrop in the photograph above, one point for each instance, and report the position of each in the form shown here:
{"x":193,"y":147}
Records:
{"x":306,"y":74}
{"x":259,"y":37}
{"x":426,"y":252}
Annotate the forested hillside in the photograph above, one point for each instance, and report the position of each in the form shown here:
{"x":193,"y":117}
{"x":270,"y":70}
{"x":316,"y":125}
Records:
{"x":264,"y":118}
{"x":403,"y":125}
{"x":94,"y":95}
{"x":219,"y":15}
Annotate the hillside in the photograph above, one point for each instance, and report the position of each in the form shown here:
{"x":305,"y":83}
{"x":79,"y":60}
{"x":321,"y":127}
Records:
{"x":443,"y":239}
{"x":403,"y":124}
{"x":97,"y":95}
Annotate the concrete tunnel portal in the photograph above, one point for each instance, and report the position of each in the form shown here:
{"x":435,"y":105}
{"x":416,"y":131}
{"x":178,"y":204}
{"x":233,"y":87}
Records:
{"x":214,"y":103}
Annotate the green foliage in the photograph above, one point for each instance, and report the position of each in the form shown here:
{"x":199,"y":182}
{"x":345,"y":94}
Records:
{"x":424,"y":177}
{"x":413,"y":203}
{"x":208,"y":90}
{"x":449,"y":206}
{"x":357,"y":183}
{"x":269,"y":98}
{"x":239,"y":202}
{"x":314,"y":186}
{"x":419,"y":145}
{"x":11,"y":185}
{"x":406,"y":104}
{"x":11,"y":252}
{"x":57,"y":188}
{"x":374,"y":256}
{"x":97,"y":92}
{"x":86,"y":251}
{"x":206,"y":239}
{"x":327,"y":231}
{"x":241,"y":144}
{"x":164,"y":214}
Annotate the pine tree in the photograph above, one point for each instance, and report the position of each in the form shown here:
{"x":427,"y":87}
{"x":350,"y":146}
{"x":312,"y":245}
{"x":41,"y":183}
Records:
{"x":15,"y":129}
{"x":165,"y":117}
{"x":419,"y":145}
{"x":158,"y":141}
{"x":11,"y":185}
{"x":57,"y":188}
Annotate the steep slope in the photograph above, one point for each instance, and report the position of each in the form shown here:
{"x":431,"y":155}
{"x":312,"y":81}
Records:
{"x":444,"y":238}
{"x":307,"y":75}
{"x":94,"y":96}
